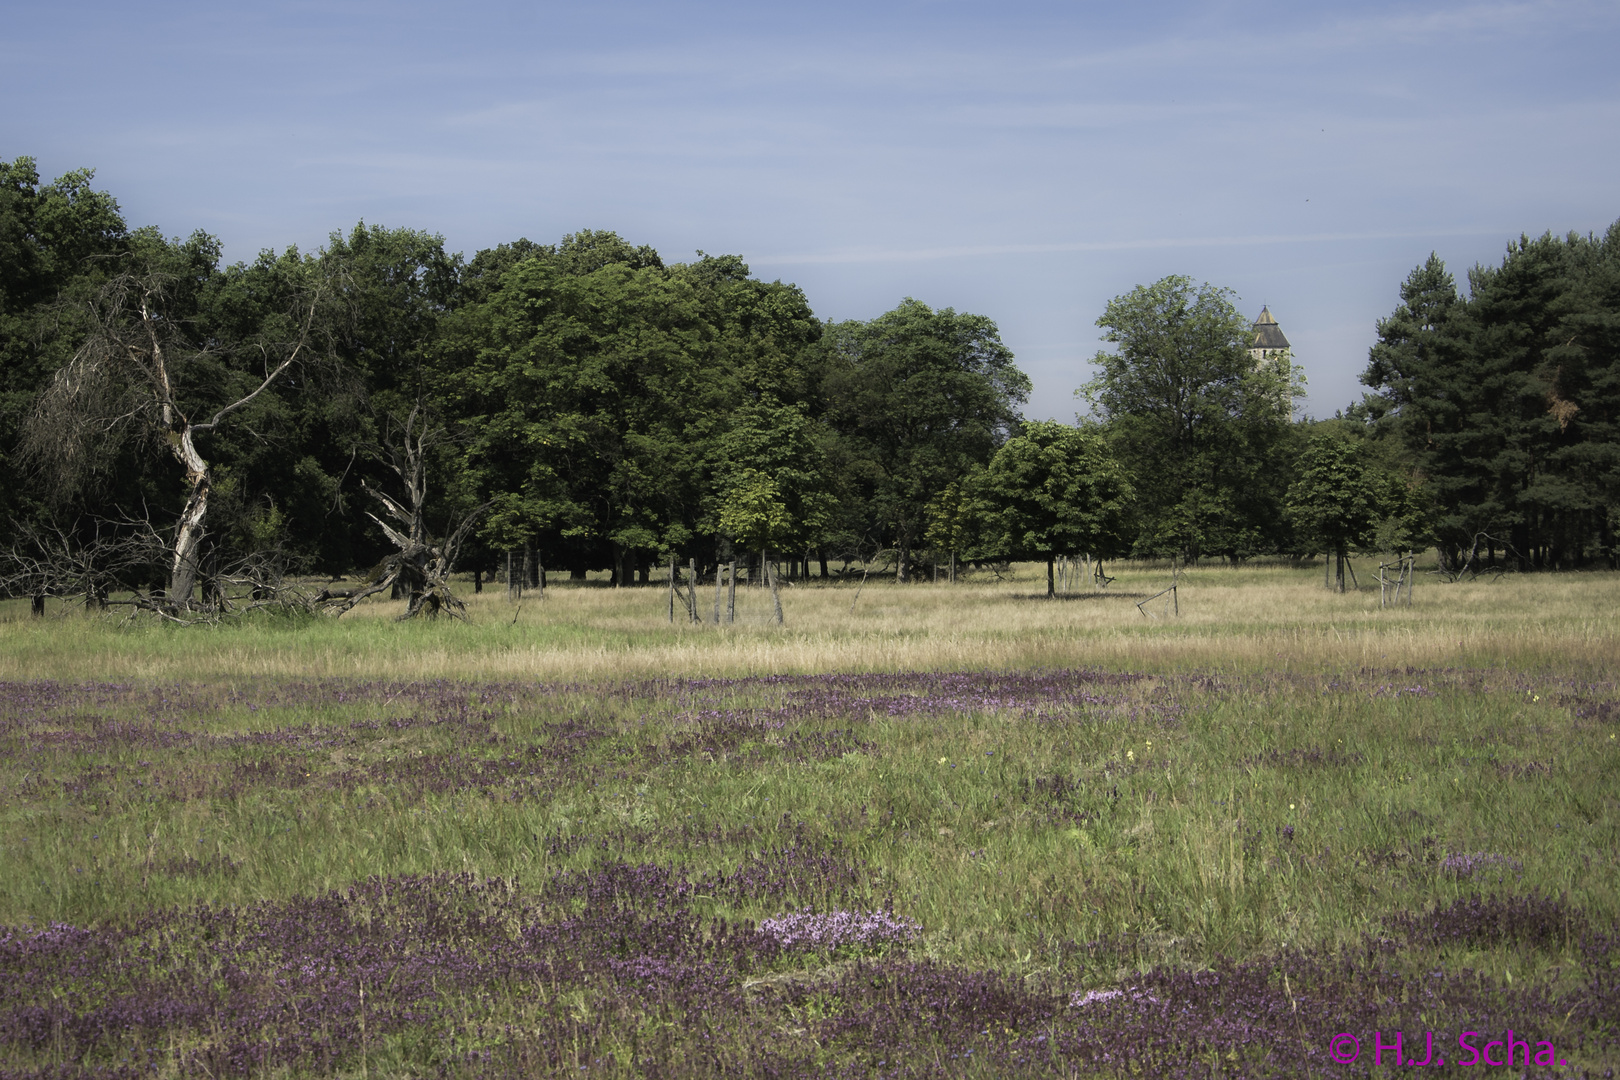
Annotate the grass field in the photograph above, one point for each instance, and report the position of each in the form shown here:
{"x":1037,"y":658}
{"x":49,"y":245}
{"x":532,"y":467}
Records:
{"x":953,"y":831}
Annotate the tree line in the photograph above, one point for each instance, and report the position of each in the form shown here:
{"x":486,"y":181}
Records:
{"x":385,"y":410}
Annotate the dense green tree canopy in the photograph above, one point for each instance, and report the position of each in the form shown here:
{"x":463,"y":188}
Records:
{"x":919,"y":397}
{"x":57,"y":241}
{"x":603,"y":408}
{"x":1337,"y":500}
{"x":608,"y":398}
{"x":1200,"y":425}
{"x":1054,"y":490}
{"x":1507,"y":400}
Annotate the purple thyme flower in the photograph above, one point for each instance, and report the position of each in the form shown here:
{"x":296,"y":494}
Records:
{"x":837,"y":929}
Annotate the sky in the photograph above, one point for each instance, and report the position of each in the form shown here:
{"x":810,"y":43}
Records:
{"x":1024,"y":161}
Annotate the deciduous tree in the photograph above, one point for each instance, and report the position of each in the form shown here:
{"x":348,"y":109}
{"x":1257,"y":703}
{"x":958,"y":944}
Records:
{"x":1054,"y":490}
{"x":1193,"y":417}
{"x":1337,"y":499}
{"x":919,"y":397}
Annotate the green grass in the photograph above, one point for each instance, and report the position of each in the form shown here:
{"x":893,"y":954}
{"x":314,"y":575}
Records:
{"x":1279,"y":782}
{"x":1182,"y":843}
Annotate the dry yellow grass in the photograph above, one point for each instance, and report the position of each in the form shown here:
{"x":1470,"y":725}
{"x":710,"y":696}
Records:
{"x":1243,"y":618}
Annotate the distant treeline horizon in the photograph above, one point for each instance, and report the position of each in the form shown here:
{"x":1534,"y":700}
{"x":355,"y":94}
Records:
{"x":586,"y":406}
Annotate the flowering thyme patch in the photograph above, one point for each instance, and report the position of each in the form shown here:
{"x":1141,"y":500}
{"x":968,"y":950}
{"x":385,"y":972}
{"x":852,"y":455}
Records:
{"x":840,"y":931}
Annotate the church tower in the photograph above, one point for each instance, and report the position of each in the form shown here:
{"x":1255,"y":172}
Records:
{"x":1268,"y":338}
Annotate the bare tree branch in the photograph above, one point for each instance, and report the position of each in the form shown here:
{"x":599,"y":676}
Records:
{"x":303,"y":340}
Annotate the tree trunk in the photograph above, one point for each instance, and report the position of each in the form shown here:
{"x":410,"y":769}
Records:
{"x":1051,"y":583}
{"x":822,"y":554}
{"x":731,"y":592}
{"x":514,"y":583}
{"x":1340,"y":553}
{"x":478,"y":580}
{"x":417,"y":573}
{"x":188,"y":533}
{"x":1521,"y":541}
{"x":900,"y":569}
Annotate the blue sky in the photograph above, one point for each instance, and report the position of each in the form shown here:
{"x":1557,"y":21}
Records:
{"x":1025,"y":161}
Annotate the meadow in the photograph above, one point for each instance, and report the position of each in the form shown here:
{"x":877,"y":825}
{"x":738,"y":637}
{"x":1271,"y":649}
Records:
{"x":923,"y":830}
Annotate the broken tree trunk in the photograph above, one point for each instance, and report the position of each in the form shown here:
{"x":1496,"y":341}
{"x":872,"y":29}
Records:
{"x":420,"y":566}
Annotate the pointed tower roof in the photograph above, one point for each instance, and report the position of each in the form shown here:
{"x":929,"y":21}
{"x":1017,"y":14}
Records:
{"x":1267,"y":334}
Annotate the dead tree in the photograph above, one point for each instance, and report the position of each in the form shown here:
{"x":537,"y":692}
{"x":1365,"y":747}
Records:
{"x":421,"y":567}
{"x":109,"y":564}
{"x":1471,"y":565}
{"x":125,"y":375}
{"x":89,"y":558}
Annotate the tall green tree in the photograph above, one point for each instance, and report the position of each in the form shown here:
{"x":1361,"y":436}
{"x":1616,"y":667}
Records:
{"x":919,"y":397}
{"x":1337,"y":500}
{"x":576,"y":387}
{"x":1054,"y":490}
{"x":1201,"y":425}
{"x":59,"y":242}
{"x":390,"y":288}
{"x":610,"y":397}
{"x":1507,"y":400}
{"x":771,"y":485}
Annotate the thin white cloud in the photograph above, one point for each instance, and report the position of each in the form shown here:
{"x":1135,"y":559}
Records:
{"x":895,"y":255}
